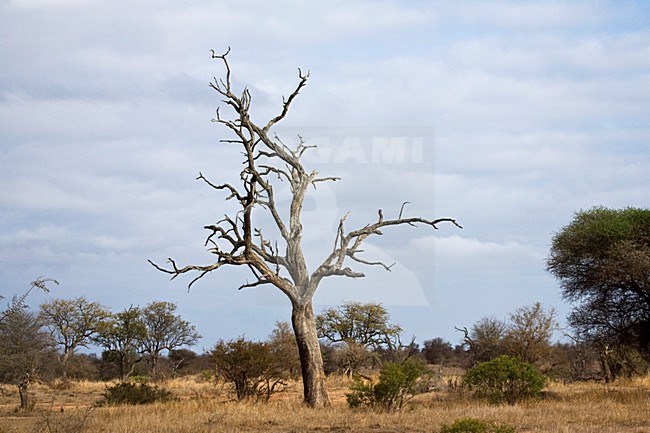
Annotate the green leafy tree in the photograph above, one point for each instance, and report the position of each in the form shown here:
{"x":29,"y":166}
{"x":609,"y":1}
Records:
{"x":362,"y":331}
{"x":505,"y":379}
{"x":72,"y":323}
{"x":437,"y":350}
{"x":602,"y":261}
{"x":364,"y":324}
{"x":121,"y":335}
{"x":164,"y":330}
{"x":441,"y":352}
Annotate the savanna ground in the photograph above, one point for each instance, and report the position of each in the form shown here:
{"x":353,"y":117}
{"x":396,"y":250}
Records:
{"x":202,"y":407}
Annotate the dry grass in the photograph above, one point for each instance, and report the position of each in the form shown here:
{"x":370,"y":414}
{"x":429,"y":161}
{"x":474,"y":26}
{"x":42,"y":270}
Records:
{"x":202,"y":407}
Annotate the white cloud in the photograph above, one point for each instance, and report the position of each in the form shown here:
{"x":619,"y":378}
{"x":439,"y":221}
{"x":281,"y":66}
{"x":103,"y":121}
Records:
{"x":293,"y":24}
{"x":462,"y":248}
{"x":28,"y":235}
{"x":531,"y":15}
{"x":51,"y":4}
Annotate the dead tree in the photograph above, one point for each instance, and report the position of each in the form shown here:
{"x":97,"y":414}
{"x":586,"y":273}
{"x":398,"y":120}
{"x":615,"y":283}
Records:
{"x":237,"y":240}
{"x":466,"y":338}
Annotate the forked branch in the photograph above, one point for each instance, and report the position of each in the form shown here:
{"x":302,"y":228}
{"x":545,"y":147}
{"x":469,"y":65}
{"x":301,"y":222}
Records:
{"x":349,"y":245}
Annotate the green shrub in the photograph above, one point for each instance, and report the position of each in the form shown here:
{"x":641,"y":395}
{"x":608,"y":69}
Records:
{"x":205,"y":376}
{"x":132,"y":393}
{"x":505,"y":379}
{"x":398,"y":382}
{"x":139,"y":379}
{"x":473,"y":425}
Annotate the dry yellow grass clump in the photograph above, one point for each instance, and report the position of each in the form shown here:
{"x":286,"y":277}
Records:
{"x":202,"y":407}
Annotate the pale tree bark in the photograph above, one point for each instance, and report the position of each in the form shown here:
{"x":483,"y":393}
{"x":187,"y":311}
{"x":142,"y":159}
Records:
{"x":311,"y":361}
{"x":237,"y":240}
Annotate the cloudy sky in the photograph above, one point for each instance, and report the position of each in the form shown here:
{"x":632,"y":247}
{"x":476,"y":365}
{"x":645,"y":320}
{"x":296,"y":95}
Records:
{"x":508,"y":116}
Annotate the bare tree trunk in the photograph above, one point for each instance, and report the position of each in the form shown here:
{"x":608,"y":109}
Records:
{"x":154,"y":366}
{"x":127,"y":367}
{"x":63,"y":361}
{"x":605,"y":364}
{"x":25,"y":403}
{"x":311,"y":361}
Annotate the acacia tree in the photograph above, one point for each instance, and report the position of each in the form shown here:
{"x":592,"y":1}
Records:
{"x":165,"y":330}
{"x":238,"y":240}
{"x":363,"y":332}
{"x":24,"y":346}
{"x":21,"y":341}
{"x":364,"y":324}
{"x":602,"y":260}
{"x":72,"y":323}
{"x":121,"y":335}
{"x":437,"y":350}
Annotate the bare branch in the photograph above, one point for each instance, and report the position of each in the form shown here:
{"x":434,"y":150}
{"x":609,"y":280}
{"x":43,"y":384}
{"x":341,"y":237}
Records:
{"x":347,"y":272}
{"x":256,"y":283}
{"x":232,"y":189}
{"x":215,"y":56}
{"x":225,"y":61}
{"x":175,"y":271}
{"x":302,"y":148}
{"x":466,"y":338}
{"x":373,"y":228}
{"x":18,"y":302}
{"x":365,"y":262}
{"x":287,"y":103}
{"x":325,"y":179}
{"x":270,"y":169}
{"x":402,"y":209}
{"x":41,"y":284}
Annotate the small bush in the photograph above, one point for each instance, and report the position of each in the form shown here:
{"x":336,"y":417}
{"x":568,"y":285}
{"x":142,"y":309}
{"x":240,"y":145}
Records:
{"x":254,"y":368}
{"x":505,"y":379}
{"x":398,"y":382}
{"x":473,"y":425}
{"x":205,"y":376}
{"x":132,"y":393}
{"x":139,"y":379}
